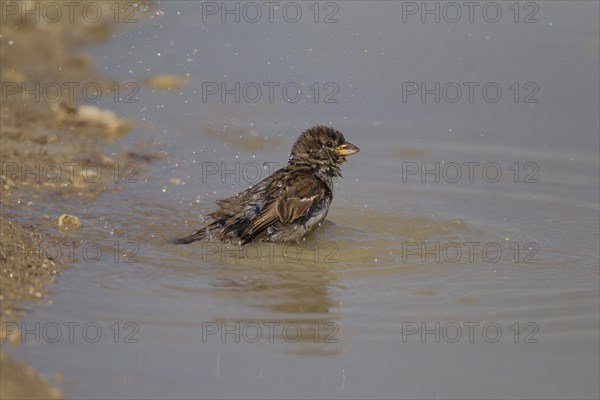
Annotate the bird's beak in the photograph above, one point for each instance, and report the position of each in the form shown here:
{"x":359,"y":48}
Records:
{"x":346,"y":149}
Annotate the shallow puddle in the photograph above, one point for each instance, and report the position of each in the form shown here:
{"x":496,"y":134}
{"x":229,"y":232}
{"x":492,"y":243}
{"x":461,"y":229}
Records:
{"x":460,"y":255}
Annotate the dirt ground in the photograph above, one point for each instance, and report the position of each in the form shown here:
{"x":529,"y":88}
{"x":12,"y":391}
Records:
{"x":39,"y":131}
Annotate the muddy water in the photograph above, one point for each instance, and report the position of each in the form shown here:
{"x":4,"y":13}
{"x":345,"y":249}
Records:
{"x":459,"y":259}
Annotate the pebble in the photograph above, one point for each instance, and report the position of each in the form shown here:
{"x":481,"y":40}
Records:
{"x":68,"y":222}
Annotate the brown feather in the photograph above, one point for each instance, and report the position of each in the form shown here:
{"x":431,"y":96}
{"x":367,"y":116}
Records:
{"x":301,"y":192}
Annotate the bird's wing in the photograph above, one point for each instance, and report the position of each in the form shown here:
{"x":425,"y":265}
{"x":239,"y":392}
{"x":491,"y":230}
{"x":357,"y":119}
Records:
{"x":293,"y":200}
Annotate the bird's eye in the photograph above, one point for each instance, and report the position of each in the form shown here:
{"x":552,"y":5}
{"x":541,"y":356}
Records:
{"x":329,"y":144}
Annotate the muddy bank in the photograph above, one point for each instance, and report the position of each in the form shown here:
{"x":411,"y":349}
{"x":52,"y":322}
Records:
{"x":45,"y":146}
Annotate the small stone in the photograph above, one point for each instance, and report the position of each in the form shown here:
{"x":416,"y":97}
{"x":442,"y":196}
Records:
{"x":165,"y":81}
{"x":68,"y":222}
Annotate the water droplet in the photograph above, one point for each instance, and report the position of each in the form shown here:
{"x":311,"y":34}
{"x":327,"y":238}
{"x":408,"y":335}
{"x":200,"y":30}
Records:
{"x":279,"y":184}
{"x":270,"y":230}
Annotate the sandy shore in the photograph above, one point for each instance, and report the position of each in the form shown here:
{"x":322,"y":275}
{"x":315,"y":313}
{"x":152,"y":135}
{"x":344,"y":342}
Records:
{"x":36,"y":133}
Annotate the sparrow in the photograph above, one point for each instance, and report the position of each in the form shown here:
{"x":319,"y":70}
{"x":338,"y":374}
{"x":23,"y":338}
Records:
{"x":289,"y":204}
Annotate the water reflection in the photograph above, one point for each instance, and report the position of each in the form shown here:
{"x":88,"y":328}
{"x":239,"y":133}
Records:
{"x":285,"y":280}
{"x":296,"y":289}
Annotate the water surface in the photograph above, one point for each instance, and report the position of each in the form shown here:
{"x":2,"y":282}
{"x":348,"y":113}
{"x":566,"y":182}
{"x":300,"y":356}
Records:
{"x":418,"y":285}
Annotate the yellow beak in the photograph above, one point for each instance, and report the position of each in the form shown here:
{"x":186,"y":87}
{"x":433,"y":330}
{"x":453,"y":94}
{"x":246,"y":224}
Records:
{"x":346,"y":149}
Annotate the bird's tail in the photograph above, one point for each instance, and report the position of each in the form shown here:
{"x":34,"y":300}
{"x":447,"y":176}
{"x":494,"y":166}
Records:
{"x":198,"y":235}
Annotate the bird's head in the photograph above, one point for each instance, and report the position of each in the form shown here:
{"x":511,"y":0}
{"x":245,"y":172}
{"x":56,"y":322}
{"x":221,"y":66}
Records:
{"x":323,"y":148}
